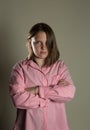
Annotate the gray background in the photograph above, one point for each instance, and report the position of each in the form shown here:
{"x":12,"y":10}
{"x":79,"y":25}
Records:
{"x":70,"y":20}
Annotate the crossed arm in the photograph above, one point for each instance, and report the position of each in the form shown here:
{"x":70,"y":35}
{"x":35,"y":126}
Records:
{"x":35,"y":89}
{"x":38,"y":96}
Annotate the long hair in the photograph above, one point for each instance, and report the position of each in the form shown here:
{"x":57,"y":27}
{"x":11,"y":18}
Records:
{"x":51,"y":44}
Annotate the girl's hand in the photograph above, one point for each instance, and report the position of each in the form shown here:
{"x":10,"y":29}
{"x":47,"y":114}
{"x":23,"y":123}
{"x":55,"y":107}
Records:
{"x":33,"y":90}
{"x":63,"y":82}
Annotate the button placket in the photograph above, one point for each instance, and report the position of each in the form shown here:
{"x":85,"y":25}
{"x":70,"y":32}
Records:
{"x":44,"y":81}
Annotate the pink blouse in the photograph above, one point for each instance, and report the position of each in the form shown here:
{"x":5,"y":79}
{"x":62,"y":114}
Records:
{"x":46,"y":110}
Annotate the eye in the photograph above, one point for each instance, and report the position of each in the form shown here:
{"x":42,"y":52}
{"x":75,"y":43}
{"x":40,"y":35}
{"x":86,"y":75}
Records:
{"x":38,"y":43}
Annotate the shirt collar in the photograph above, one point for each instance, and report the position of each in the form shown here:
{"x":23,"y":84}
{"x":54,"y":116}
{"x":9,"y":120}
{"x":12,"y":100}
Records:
{"x":34,"y":65}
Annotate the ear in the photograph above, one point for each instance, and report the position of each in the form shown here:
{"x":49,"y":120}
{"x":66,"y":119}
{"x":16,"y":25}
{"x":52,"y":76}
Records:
{"x":29,"y":47}
{"x":28,"y":43}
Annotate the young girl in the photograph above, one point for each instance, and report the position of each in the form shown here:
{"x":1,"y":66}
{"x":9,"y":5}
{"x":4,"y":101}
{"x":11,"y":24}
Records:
{"x":41,"y":84}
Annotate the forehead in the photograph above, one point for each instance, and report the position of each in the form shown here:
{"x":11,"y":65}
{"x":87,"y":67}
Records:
{"x":40,"y":36}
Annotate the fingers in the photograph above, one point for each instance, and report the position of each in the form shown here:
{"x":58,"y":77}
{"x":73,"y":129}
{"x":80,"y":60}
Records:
{"x":63,"y":82}
{"x":29,"y":89}
{"x":33,"y":90}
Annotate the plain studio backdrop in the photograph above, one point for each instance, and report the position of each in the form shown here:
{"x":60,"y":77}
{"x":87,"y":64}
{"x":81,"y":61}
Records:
{"x":70,"y":20}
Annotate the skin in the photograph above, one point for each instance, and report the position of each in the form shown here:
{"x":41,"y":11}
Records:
{"x":38,"y":46}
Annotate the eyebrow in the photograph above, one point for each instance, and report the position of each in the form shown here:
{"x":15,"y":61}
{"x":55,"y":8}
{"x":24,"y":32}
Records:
{"x":37,"y":41}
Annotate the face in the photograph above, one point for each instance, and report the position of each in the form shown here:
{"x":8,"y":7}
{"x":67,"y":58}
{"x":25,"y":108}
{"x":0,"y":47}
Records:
{"x":38,"y":44}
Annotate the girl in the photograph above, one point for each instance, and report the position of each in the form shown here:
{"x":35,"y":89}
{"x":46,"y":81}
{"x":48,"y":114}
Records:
{"x":41,"y":84}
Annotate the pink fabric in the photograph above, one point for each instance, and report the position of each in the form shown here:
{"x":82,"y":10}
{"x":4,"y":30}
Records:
{"x":46,"y":110}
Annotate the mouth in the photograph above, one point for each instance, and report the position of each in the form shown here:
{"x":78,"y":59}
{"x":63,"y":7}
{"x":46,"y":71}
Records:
{"x":43,"y":52}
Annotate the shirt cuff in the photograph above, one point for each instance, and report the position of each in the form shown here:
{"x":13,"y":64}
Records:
{"x":42,"y":92}
{"x":43,"y":102}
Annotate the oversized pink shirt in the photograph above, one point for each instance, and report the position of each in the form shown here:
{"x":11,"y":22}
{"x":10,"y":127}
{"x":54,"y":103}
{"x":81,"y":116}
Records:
{"x":46,"y":110}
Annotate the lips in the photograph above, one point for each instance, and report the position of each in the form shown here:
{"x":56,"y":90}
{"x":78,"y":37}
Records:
{"x":43,"y":52}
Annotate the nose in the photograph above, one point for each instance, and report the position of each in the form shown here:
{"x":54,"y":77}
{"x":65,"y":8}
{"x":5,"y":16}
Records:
{"x":43,"y":46}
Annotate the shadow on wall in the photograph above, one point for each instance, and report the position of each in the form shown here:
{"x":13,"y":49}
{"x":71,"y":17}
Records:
{"x":6,"y":107}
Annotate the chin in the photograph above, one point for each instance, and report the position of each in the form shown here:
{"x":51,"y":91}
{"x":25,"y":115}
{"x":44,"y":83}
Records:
{"x":43,"y":57}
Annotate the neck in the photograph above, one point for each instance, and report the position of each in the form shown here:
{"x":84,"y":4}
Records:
{"x":40,"y":62}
